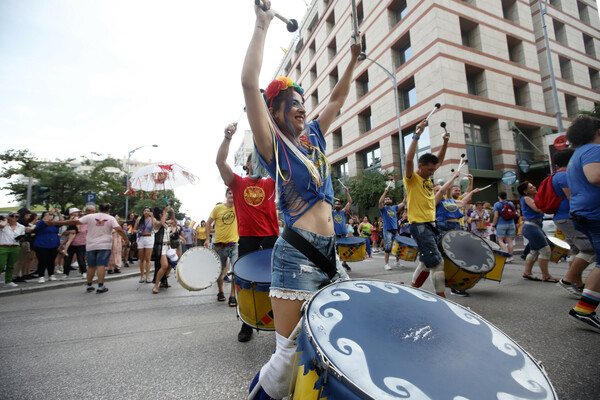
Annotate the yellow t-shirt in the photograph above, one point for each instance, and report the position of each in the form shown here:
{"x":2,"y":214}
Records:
{"x":225,"y":224}
{"x":201,"y":233}
{"x":420,"y":199}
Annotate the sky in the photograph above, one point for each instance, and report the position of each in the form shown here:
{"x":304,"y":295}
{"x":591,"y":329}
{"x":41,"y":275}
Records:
{"x":106,"y":76}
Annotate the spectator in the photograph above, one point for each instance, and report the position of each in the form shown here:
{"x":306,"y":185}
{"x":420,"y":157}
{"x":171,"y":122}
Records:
{"x":46,"y":243}
{"x":11,"y":233}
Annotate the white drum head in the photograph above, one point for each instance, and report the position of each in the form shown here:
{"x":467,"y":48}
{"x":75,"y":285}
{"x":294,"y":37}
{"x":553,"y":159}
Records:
{"x":559,"y":242}
{"x":198,"y":268}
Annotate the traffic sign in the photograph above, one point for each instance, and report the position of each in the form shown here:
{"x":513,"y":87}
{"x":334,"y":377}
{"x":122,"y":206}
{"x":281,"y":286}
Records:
{"x":509,"y":177}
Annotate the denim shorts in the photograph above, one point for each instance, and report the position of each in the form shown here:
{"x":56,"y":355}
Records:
{"x":505,"y":230}
{"x":390,"y":237}
{"x":445,"y":226}
{"x":291,"y":271}
{"x":98,"y":258}
{"x":226,"y":252}
{"x":424,"y":235}
{"x":536,"y":237}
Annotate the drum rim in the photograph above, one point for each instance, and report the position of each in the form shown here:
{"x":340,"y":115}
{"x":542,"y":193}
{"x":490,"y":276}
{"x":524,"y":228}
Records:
{"x":181,"y":263}
{"x":245,"y":255}
{"x":560,"y":241}
{"x":467,"y":233}
{"x":329,"y":367}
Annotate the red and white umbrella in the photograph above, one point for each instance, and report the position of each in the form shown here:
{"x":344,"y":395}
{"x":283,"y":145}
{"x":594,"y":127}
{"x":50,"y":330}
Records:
{"x":161,"y":176}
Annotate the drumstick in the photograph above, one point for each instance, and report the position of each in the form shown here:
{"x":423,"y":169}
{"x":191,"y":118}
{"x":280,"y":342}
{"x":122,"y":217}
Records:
{"x":342,"y":183}
{"x":437,"y":106}
{"x":292,"y":24}
{"x":483,"y":188}
{"x":241,"y":115}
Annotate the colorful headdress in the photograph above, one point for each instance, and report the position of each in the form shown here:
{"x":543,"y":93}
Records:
{"x":279,"y":84}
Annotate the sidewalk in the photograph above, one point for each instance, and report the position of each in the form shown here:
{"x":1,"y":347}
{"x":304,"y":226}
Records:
{"x":74,"y":279}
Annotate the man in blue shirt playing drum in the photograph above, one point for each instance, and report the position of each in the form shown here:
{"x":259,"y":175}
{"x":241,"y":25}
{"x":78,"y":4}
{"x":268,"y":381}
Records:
{"x":339,"y":220}
{"x":389,"y":214}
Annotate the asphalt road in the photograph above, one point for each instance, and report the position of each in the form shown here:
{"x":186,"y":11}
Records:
{"x":131,"y":344}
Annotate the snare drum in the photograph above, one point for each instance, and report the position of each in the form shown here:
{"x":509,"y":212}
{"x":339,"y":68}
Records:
{"x":500,"y":260}
{"x":559,"y":248}
{"x":418,"y":336}
{"x":252,"y":279}
{"x":352,"y":248}
{"x":198,"y":268}
{"x":466,"y":258}
{"x":405,"y":248}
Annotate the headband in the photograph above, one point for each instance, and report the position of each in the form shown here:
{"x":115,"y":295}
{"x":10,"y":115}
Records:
{"x":279,"y":84}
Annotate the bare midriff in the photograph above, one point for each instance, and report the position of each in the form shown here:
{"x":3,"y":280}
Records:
{"x":317,"y":219}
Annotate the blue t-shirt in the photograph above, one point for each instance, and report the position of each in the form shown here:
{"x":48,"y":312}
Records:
{"x":584,"y":195}
{"x":46,"y":236}
{"x":300,"y":191}
{"x":528,"y":212}
{"x":447,"y":209}
{"x":339,"y":222}
{"x":559,"y":181}
{"x":390,"y":217}
{"x":498,"y":207}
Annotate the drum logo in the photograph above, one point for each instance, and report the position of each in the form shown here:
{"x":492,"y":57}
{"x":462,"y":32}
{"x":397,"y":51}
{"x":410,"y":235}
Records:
{"x":228,"y":218}
{"x":254,"y":195}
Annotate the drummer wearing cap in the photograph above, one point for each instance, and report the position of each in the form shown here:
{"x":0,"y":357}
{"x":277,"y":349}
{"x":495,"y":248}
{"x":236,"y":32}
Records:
{"x":421,"y":211}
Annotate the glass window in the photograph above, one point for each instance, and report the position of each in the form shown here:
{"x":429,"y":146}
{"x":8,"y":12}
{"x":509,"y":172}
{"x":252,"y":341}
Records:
{"x":371,"y":160}
{"x":479,"y":150}
{"x":408,"y":96}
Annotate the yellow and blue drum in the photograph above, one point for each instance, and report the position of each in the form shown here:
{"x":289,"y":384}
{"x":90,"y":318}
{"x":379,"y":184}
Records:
{"x":405,"y":248}
{"x":252,"y":279}
{"x":352,"y":248}
{"x":558,"y":247}
{"x":418,"y":336}
{"x":500,"y":260}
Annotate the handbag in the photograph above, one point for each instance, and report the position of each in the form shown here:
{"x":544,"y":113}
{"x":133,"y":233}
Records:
{"x":481,"y":225}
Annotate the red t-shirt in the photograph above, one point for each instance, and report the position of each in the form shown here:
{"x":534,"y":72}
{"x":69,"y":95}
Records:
{"x":254,"y":202}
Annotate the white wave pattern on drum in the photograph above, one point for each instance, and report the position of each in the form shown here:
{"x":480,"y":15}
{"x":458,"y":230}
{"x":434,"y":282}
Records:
{"x":464,"y":314}
{"x":503,"y":343}
{"x":532,"y":379}
{"x":420,"y":294}
{"x":409,"y":390}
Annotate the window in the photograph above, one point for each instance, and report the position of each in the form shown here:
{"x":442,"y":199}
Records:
{"x":333,"y":78}
{"x":479,"y":150}
{"x":364,"y":43}
{"x":331,"y":21}
{"x":365,"y":120}
{"x":397,"y":10}
{"x":313,"y":74}
{"x":560,"y":31}
{"x":312,"y":49}
{"x":313,"y":24}
{"x":515,"y":50}
{"x":594,"y":79}
{"x":522,"y":95}
{"x":298,"y":70}
{"x":401,"y":50}
{"x":555,"y":3}
{"x":524,"y":149}
{"x":572,"y":107}
{"x":340,"y":170}
{"x":337,"y":138}
{"x":566,"y":71}
{"x":469,"y":32}
{"x":332,"y":49}
{"x":299,"y":46}
{"x":588,"y":43}
{"x":509,"y":10}
{"x":584,"y":14}
{"x":423,"y":146}
{"x":314,"y":97}
{"x":371,"y":159}
{"x":408,"y":94}
{"x":476,"y":84}
{"x":360,"y":13}
{"x":362,"y":84}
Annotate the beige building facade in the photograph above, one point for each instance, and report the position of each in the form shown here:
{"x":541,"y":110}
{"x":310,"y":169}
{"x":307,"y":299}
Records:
{"x":483,"y":61}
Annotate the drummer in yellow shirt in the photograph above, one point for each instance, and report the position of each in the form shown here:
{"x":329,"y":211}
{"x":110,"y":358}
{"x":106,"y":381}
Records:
{"x":421,"y":211}
{"x":226,"y":240}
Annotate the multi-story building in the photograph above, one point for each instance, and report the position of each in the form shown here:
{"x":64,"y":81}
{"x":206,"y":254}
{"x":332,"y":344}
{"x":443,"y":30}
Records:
{"x":484,"y":61}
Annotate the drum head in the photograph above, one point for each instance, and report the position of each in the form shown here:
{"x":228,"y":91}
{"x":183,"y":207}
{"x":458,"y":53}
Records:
{"x":254,"y":266}
{"x":406,"y":241}
{"x":415,"y":348}
{"x":351,"y":241}
{"x":198,"y":268}
{"x":467,"y":251}
{"x":558,"y":242}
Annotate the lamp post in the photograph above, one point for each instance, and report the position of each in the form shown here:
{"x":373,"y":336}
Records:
{"x":392,"y":78}
{"x":127,"y":176}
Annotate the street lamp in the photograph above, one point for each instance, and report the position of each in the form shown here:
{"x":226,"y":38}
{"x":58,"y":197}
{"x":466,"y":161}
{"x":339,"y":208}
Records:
{"x":127,"y":176}
{"x":392,"y":77}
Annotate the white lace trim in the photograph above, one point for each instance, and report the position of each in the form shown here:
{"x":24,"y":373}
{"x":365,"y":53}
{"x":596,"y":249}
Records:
{"x":290,"y":294}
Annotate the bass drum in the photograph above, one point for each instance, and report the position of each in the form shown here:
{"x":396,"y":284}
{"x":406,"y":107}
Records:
{"x":198,"y":268}
{"x":412,"y":354}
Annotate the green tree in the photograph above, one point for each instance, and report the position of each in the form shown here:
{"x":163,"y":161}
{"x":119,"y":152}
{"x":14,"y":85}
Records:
{"x":366,"y":189}
{"x":593,"y":113}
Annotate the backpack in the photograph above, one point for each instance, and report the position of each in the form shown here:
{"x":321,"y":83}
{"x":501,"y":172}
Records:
{"x":508,"y":211}
{"x":546,"y":198}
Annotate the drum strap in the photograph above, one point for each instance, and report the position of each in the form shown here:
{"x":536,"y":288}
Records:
{"x":309,"y":251}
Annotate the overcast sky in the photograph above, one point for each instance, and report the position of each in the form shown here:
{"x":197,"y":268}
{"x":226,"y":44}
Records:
{"x":82,"y":76}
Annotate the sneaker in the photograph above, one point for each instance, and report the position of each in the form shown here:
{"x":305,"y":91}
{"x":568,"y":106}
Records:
{"x":89,"y":288}
{"x":387,"y":267}
{"x":245,"y":333}
{"x":59,"y":268}
{"x":226,"y":278}
{"x":397,"y":263}
{"x":52,"y":278}
{"x":41,"y":279}
{"x":221,"y":296}
{"x":64,"y":277}
{"x":509,"y":259}
{"x":75,"y":264}
{"x":102,"y":289}
{"x":345,"y":265}
{"x":11,"y":284}
{"x":571,"y":288}
{"x":110,"y":271}
{"x":460,"y":293}
{"x":590,"y":321}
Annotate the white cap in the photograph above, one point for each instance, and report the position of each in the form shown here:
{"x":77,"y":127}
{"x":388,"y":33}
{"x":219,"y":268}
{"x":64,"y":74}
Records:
{"x":74,"y":210}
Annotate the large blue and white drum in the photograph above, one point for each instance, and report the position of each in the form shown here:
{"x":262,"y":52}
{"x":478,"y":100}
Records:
{"x":366,"y":339}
